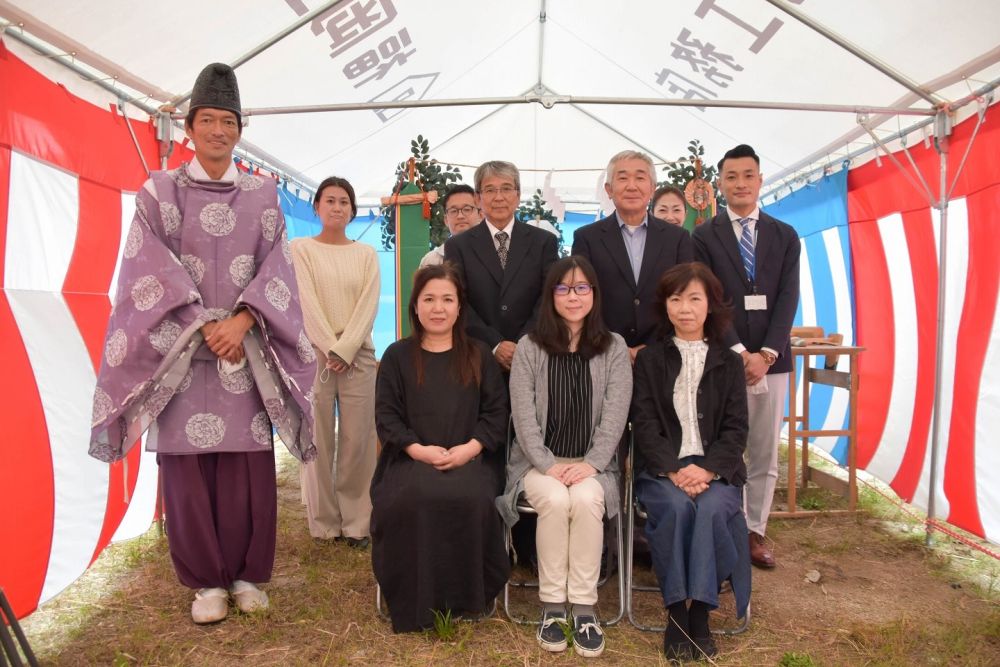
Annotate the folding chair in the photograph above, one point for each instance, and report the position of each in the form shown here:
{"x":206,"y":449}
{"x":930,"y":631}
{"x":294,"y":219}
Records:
{"x":635,"y":510}
{"x":524,"y":507}
{"x":13,"y":656}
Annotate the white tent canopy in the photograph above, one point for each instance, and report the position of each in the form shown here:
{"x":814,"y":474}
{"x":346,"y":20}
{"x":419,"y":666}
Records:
{"x":693,"y":50}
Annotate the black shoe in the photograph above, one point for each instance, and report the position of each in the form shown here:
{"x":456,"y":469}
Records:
{"x":704,"y":647}
{"x":550,"y":633}
{"x":358,"y":542}
{"x":588,"y":638}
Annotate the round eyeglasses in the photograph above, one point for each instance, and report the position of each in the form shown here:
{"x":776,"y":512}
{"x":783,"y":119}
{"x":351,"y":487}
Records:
{"x":465,"y":210}
{"x":505,"y":190}
{"x":581,"y":289}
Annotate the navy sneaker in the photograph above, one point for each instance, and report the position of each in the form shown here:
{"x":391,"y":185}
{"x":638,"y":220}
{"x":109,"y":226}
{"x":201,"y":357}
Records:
{"x":588,"y":638}
{"x":550,"y":632}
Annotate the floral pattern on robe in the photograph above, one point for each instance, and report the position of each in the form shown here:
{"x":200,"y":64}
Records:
{"x":197,"y":251}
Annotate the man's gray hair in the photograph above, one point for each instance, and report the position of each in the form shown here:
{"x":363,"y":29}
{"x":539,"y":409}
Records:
{"x":498,"y":169}
{"x":630,"y":155}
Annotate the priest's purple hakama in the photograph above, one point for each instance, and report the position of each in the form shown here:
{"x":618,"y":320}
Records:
{"x":198,"y":250}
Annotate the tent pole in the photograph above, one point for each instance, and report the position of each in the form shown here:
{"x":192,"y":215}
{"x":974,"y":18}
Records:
{"x":542,"y":18}
{"x":858,"y":52}
{"x":549,"y":101}
{"x":271,"y":41}
{"x":942,"y":130}
{"x":804,"y":171}
{"x":164,"y":137}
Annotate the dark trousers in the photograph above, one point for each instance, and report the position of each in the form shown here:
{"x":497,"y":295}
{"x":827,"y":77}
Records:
{"x":691,"y":540}
{"x":222,"y":512}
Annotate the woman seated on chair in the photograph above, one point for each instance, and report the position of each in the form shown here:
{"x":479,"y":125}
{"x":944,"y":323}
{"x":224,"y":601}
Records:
{"x":570,"y":384}
{"x":441,"y":415}
{"x":689,"y":421}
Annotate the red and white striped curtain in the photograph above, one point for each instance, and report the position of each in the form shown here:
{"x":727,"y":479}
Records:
{"x":895,"y":236}
{"x":68,"y":173}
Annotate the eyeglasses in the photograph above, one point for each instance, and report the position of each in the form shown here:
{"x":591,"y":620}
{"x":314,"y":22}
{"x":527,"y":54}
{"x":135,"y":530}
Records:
{"x":581,"y":289}
{"x":505,"y":190}
{"x":465,"y":210}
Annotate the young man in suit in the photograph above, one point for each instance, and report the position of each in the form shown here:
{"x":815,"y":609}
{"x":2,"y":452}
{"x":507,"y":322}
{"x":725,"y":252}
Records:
{"x":503,"y":263}
{"x":757,"y":259}
{"x":631,"y":249}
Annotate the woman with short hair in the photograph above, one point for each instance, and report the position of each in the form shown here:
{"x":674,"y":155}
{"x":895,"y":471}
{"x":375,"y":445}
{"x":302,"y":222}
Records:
{"x":689,"y":422}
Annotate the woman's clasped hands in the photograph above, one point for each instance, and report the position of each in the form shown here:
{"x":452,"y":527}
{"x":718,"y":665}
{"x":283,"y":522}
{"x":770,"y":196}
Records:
{"x":571,"y":473}
{"x":444,"y":458}
{"x":691,"y":479}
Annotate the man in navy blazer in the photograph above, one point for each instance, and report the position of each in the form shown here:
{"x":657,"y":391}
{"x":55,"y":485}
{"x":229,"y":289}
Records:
{"x":502,"y":262}
{"x":630,"y":250}
{"x":757,"y":259}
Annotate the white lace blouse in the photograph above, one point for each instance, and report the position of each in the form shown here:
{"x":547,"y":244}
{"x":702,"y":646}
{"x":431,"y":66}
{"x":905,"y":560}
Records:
{"x":693,"y":353}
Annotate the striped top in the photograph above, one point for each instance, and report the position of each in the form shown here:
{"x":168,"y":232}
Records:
{"x":567,"y":431}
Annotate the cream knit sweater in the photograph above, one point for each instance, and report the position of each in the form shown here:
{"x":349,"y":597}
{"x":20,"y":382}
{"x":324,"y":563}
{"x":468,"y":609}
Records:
{"x":339,"y":289}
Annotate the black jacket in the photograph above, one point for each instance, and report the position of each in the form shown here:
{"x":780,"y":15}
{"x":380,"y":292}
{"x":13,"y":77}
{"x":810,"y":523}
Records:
{"x":722,"y":411}
{"x":628,"y":306}
{"x":777,"y":277}
{"x":502,"y":303}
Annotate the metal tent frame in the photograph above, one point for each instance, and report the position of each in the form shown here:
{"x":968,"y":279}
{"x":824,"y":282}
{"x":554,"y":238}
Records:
{"x":937,"y":112}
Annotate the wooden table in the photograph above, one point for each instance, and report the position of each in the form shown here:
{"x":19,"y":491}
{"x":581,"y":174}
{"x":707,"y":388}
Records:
{"x":800,"y":434}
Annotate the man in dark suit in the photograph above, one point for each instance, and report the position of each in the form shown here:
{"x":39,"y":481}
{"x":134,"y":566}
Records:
{"x":757,"y":259}
{"x":631,"y":249}
{"x":502,"y":262}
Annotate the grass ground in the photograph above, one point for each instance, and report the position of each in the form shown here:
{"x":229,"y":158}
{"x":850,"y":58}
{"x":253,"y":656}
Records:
{"x":882,"y":598}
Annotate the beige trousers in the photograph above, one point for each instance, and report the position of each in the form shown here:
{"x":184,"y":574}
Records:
{"x":336,"y":484}
{"x":767,"y":411}
{"x":569,"y":536}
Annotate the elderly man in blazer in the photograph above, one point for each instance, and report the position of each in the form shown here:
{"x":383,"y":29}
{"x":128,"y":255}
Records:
{"x":757,"y":259}
{"x":630,"y":250}
{"x":503,"y":263}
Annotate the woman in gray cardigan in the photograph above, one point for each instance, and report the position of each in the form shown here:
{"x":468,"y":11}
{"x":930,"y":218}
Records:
{"x":570,"y":387}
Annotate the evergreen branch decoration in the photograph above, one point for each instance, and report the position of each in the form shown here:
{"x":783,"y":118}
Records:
{"x":430,"y":175}
{"x":682,"y":172}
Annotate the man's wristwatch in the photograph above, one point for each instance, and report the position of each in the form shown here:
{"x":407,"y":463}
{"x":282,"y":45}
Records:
{"x":769,"y":358}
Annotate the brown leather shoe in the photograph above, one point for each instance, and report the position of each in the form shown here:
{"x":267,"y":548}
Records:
{"x":760,"y":553}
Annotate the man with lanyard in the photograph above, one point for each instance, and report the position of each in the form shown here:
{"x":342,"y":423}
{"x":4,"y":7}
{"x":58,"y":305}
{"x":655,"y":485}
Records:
{"x":756,"y":257}
{"x":205,"y":350}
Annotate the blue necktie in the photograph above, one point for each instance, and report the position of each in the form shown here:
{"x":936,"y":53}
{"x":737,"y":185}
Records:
{"x":746,"y":247}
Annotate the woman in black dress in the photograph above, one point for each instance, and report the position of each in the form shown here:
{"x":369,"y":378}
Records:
{"x":441,"y":415}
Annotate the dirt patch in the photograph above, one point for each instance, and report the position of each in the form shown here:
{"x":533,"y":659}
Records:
{"x":881,"y":599}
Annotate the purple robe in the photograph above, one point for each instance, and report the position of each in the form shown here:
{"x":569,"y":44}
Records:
{"x":196,"y":252}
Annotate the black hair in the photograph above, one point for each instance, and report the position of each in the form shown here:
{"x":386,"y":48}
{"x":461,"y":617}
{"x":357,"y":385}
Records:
{"x":743,"y":150}
{"x":466,"y":363}
{"x":337,"y":182}
{"x":675,"y":280}
{"x":457,"y":189}
{"x":551,"y":333}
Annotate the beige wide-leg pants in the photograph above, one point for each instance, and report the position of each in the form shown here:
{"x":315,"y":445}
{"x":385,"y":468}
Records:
{"x":336,"y":484}
{"x":569,"y":536}
{"x":767,"y":410}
